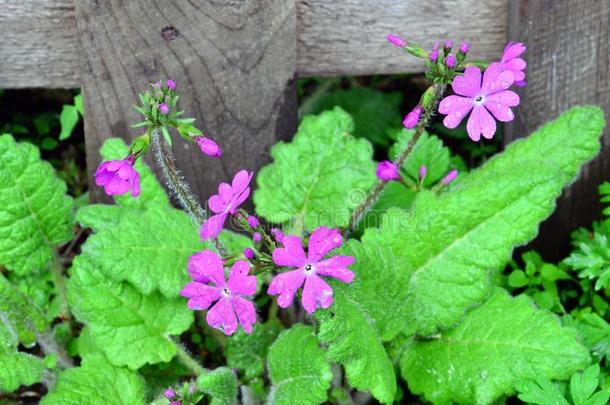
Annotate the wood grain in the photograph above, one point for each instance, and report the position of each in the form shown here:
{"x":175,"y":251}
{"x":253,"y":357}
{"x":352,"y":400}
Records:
{"x":40,"y":49}
{"x":234,"y":62}
{"x":568,"y":58}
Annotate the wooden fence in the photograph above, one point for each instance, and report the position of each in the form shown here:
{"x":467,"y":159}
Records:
{"x":236,"y":62}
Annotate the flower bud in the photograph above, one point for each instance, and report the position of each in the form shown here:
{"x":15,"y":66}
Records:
{"x":175,"y":403}
{"x":449,"y":177}
{"x":423,"y":170}
{"x":427,"y":98}
{"x":387,"y":171}
{"x":464,"y":47}
{"x":163,"y":108}
{"x":277,"y":234}
{"x":436,"y":46}
{"x":157,"y":85}
{"x":253,"y":221}
{"x":208,"y":146}
{"x":448,"y":44}
{"x":257,"y":237}
{"x":413,"y":117}
{"x":396,"y":41}
{"x":416,"y":51}
{"x":248,"y":253}
{"x":171,"y":85}
{"x":433,"y":55}
{"x":169,"y":393}
{"x":450,"y":61}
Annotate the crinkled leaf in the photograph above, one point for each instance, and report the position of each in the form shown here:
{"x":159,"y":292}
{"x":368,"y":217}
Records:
{"x":132,"y":329}
{"x":19,"y":314}
{"x":374,"y":112}
{"x":247,"y":352}
{"x":96,"y":382}
{"x":35,"y":212}
{"x":503,"y":341}
{"x":149,"y":248}
{"x":319,"y":177}
{"x":298,"y":368}
{"x":16,"y":368}
{"x":220,"y":385}
{"x":451,"y":243}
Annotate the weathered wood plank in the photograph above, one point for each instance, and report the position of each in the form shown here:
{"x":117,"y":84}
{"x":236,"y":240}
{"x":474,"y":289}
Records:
{"x":39,"y":46}
{"x":568,"y":58}
{"x":234,"y":62}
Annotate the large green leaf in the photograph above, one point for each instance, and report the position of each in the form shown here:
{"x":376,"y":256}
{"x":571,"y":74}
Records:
{"x":247,"y":352}
{"x":503,"y":341}
{"x":298,"y":369}
{"x":19,"y":314}
{"x":319,"y":177}
{"x":96,"y":382}
{"x":35,"y":212}
{"x":132,"y":329}
{"x":16,"y":368}
{"x":220,"y":385}
{"x":450,"y":244}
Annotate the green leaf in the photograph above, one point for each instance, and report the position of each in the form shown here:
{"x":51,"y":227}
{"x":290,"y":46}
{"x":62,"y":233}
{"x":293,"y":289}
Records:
{"x":220,"y":384}
{"x":541,"y":391}
{"x":247,"y":352}
{"x":583,"y":386}
{"x":452,"y":243}
{"x":319,"y":177}
{"x":149,"y":248}
{"x":132,"y":329}
{"x":503,"y":341}
{"x":18,"y":314}
{"x":592,"y":260}
{"x":78,"y":103}
{"x":373,"y":111}
{"x":298,"y":369}
{"x":17,"y":368}
{"x":68,"y":120}
{"x":394,"y":195}
{"x":35,"y":212}
{"x":152,"y":193}
{"x":96,"y":382}
{"x":595,"y":332}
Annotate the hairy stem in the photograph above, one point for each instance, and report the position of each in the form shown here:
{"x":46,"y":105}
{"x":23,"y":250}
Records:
{"x":57,"y":270}
{"x":50,"y":346}
{"x":188,"y":361}
{"x":374,"y":194}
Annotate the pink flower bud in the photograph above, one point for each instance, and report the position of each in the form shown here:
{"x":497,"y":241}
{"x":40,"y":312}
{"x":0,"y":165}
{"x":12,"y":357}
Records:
{"x":171,"y":85}
{"x":257,"y":237}
{"x":413,"y":117}
{"x":253,"y":221}
{"x":449,"y":177}
{"x":208,"y":146}
{"x":450,"y":61}
{"x":157,"y":85}
{"x":169,"y":393}
{"x":464,"y":47}
{"x":448,"y":44}
{"x":387,"y":171}
{"x":163,"y":108}
{"x":192,"y":389}
{"x":277,"y":234}
{"x":396,"y":41}
{"x":436,"y":46}
{"x":433,"y":55}
{"x":423,"y":170}
{"x":248,"y":253}
{"x":175,"y":403}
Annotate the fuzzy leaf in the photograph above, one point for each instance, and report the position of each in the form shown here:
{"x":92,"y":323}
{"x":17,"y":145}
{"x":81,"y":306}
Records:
{"x":503,"y":341}
{"x":35,"y":212}
{"x":451,"y":243}
{"x":16,"y":368}
{"x":319,"y":177}
{"x":132,"y":329}
{"x":220,"y":384}
{"x":298,"y":368}
{"x":247,"y":352}
{"x":96,"y":382}
{"x":19,"y":314}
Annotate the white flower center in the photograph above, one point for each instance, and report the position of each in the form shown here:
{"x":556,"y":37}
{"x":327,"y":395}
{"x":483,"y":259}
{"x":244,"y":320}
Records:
{"x":479,"y":100}
{"x":309,"y":269}
{"x":226,"y":292}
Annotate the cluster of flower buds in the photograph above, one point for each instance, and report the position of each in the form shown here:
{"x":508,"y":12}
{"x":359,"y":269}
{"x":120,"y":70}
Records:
{"x":158,"y":107}
{"x":186,"y":395}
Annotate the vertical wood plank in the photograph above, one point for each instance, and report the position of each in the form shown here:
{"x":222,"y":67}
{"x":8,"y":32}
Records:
{"x":234,"y":63}
{"x":568,"y":64}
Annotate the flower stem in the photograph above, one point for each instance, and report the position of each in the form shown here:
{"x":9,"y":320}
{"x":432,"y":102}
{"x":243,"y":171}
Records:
{"x":60,"y":288}
{"x":374,"y":194}
{"x":188,"y":361}
{"x":50,"y":346}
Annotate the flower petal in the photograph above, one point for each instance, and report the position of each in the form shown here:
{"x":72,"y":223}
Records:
{"x":286,"y":285}
{"x":515,"y":64}
{"x":239,"y":280}
{"x":117,"y":186}
{"x":495,"y":79}
{"x":245,"y":312}
{"x":225,"y":192}
{"x":488,"y":124}
{"x":238,"y":200}
{"x":457,"y":108}
{"x":499,"y":105}
{"x":135,"y":184}
{"x":212,"y":226}
{"x":103,"y":177}
{"x":201,"y":295}
{"x":469,"y":83}
{"x":336,"y":267}
{"x":222,"y":317}
{"x":316,"y":293}
{"x":292,"y":254}
{"x":207,"y":266}
{"x":512,"y":50}
{"x":322,"y":241}
{"x":241,"y":181}
{"x":472,"y":126}
{"x":216,"y":204}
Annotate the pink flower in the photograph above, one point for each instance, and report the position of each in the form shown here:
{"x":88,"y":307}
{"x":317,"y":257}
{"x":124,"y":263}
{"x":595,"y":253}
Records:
{"x":448,"y":179}
{"x":118,"y":177}
{"x":171,"y":85}
{"x":490,"y":96}
{"x":413,"y":117}
{"x":433,"y":55}
{"x":226,"y":203}
{"x":163,"y":108}
{"x":387,"y":171}
{"x":316,"y":292}
{"x":208,"y":146}
{"x":225,"y":300}
{"x":450,"y":61}
{"x":512,"y":62}
{"x":169,"y":393}
{"x":396,"y":41}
